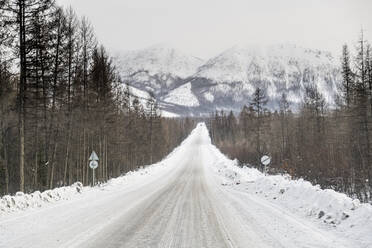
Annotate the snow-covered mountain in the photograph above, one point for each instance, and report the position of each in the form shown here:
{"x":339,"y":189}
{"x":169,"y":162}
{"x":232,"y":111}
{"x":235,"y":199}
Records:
{"x":158,"y":68}
{"x":188,"y":86}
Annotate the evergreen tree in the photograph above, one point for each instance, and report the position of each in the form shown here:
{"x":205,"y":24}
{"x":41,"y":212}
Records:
{"x":258,"y":103}
{"x":347,"y":75}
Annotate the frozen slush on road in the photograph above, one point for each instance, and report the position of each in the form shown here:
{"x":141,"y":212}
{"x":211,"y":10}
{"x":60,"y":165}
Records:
{"x":196,"y":197}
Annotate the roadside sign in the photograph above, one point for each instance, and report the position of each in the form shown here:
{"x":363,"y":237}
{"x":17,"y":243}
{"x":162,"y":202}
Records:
{"x":93,"y":156}
{"x":265,"y":160}
{"x":93,"y":164}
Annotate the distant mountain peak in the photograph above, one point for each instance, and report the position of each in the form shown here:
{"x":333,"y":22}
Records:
{"x":235,"y":63}
{"x":159,"y":58}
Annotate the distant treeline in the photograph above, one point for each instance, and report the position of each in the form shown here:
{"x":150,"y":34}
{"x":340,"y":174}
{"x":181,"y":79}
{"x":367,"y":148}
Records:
{"x":61,"y":98}
{"x":330,"y":147}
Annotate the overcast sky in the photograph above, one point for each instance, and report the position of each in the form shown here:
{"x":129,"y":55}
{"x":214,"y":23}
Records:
{"x":207,"y":27}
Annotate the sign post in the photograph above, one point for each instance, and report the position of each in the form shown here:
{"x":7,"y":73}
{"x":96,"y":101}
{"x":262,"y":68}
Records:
{"x":93,"y":164}
{"x":265,"y":160}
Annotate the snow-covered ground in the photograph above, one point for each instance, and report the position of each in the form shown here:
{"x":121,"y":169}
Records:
{"x":196,"y":197}
{"x":329,"y":211}
{"x":182,"y":96}
{"x":143,"y":97}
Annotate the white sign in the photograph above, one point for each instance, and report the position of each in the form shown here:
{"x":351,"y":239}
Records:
{"x":265,"y":160}
{"x":93,"y":156}
{"x":93,"y":164}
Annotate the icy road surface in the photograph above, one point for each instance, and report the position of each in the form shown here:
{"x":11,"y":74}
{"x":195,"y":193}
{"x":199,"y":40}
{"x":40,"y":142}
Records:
{"x":181,"y":205}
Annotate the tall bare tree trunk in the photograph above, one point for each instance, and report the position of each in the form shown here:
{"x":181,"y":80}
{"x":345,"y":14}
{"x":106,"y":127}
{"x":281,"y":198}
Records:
{"x":36,"y":170}
{"x":106,"y":159}
{"x":21,"y":96}
{"x":52,"y":166}
{"x":101,"y":166}
{"x":67,"y":156}
{"x":86,"y":159}
{"x":6,"y":171}
{"x":83,"y":159}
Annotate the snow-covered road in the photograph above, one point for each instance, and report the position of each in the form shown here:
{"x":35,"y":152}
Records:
{"x":183,"y":204}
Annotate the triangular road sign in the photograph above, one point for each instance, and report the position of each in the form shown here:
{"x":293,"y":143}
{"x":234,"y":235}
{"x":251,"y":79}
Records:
{"x":93,"y":156}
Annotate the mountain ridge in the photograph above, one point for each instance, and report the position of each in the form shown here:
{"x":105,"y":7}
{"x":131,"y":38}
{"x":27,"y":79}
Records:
{"x":186,"y":85}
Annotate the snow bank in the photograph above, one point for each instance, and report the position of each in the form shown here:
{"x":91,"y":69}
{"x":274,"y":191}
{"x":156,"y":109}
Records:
{"x":327,"y":205}
{"x":37,"y":199}
{"x":299,"y":196}
{"x":346,"y":215}
{"x":21,"y":201}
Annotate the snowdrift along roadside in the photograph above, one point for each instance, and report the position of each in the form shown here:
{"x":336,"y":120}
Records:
{"x":333,"y":209}
{"x":21,"y":201}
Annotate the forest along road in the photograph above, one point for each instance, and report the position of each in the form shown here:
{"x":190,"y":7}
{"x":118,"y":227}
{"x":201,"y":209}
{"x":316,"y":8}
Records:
{"x":183,"y":206}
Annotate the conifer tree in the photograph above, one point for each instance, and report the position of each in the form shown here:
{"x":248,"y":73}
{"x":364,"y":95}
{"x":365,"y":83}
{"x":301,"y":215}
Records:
{"x":347,"y":75}
{"x":258,"y":103}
